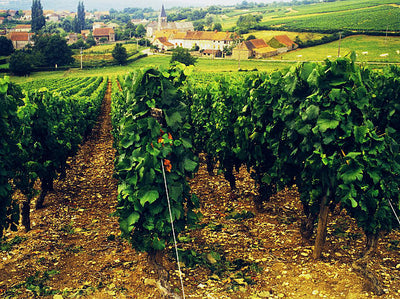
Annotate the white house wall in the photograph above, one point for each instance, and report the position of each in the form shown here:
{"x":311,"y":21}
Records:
{"x":203,"y":44}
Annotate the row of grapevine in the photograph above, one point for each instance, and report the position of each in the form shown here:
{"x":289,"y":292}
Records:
{"x":52,"y":84}
{"x":47,"y":128}
{"x":331,"y":129}
{"x":147,"y":118}
{"x":154,"y":154}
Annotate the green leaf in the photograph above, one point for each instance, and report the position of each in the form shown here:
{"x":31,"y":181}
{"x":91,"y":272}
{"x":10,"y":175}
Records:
{"x":150,"y":197}
{"x":327,"y":121}
{"x":174,"y":120}
{"x":175,"y":191}
{"x":127,"y":141}
{"x":311,"y":112}
{"x":189,"y":165}
{"x":360,"y":133}
{"x":352,"y":174}
{"x":353,"y":155}
{"x":313,"y":78}
{"x":186,"y":143}
{"x":374,"y":176}
{"x":158,"y":244}
{"x":128,"y":223}
{"x":354,"y":204}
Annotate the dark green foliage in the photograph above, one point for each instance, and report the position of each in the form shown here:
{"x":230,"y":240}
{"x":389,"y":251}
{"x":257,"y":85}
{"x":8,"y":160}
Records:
{"x":38,"y":20}
{"x":217,"y":26}
{"x":140,"y":31}
{"x":21,"y":63}
{"x":246,"y":22}
{"x":10,"y":100}
{"x":6,"y":46}
{"x":119,"y":53}
{"x":145,"y":143}
{"x":331,"y":129}
{"x":79,"y":22}
{"x":183,"y":56}
{"x":52,"y":50}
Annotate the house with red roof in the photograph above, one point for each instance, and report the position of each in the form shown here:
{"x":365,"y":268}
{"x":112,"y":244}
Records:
{"x":205,"y":40}
{"x":163,"y":44}
{"x":106,"y":33}
{"x":256,"y":48}
{"x":21,"y":39}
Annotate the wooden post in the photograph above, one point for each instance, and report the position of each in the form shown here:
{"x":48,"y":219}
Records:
{"x":321,"y":230}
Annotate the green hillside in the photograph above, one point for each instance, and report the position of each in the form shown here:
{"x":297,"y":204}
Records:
{"x":363,"y":15}
{"x":377,"y":18}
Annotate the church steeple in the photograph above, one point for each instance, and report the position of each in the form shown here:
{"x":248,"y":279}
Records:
{"x":163,"y":14}
{"x":162,"y":18}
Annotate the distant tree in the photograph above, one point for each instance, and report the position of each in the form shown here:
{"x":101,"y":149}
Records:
{"x":78,"y":23}
{"x":80,"y":18}
{"x":140,"y":31}
{"x":251,"y":36}
{"x":182,"y":55}
{"x":38,"y":20}
{"x":80,"y":43}
{"x":217,"y":26}
{"x":51,"y":28}
{"x":53,"y":49}
{"x":209,"y":21}
{"x":90,"y":40}
{"x":247,"y":21}
{"x":119,"y":54}
{"x":20,"y":63}
{"x":198,"y":25}
{"x":66,"y":25}
{"x":6,"y":46}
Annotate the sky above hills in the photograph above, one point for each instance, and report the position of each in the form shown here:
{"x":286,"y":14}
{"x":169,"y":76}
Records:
{"x":117,"y":4}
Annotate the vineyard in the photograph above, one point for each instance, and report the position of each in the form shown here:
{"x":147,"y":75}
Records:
{"x":378,"y":18}
{"x":255,"y":175}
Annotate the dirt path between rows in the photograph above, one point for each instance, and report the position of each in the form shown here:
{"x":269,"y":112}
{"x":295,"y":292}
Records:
{"x":73,"y":246}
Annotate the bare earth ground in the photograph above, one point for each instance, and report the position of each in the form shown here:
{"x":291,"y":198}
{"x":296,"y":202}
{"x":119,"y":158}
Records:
{"x":74,"y":249}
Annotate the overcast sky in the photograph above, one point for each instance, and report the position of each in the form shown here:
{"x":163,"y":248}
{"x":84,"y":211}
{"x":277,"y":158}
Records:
{"x":116,"y":4}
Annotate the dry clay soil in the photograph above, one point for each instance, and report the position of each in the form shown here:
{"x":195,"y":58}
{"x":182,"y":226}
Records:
{"x":74,"y":249}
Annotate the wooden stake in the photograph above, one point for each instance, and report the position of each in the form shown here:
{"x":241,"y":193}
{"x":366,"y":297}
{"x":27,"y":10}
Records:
{"x":321,"y":230}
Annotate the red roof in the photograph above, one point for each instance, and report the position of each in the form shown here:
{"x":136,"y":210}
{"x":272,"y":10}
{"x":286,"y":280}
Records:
{"x":285,"y":40}
{"x":20,"y":36}
{"x":165,"y":42}
{"x":102,"y":31}
{"x":23,"y":27}
{"x":256,"y":44}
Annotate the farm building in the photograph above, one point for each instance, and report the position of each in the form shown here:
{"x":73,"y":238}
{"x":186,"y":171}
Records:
{"x":256,"y":48}
{"x":211,"y":53}
{"x":106,"y":33}
{"x":282,"y":43}
{"x":23,"y":28}
{"x":20,"y":39}
{"x":163,"y":44}
{"x":205,"y":40}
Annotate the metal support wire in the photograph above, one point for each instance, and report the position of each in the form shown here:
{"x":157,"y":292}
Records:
{"x":395,"y":214}
{"x":173,"y":228}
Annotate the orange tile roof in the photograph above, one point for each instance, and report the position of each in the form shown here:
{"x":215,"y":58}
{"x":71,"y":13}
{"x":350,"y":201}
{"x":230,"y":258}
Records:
{"x":23,"y":27}
{"x":102,"y":31}
{"x":165,"y":41}
{"x":285,"y":40}
{"x":258,"y":43}
{"x":20,"y":36}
